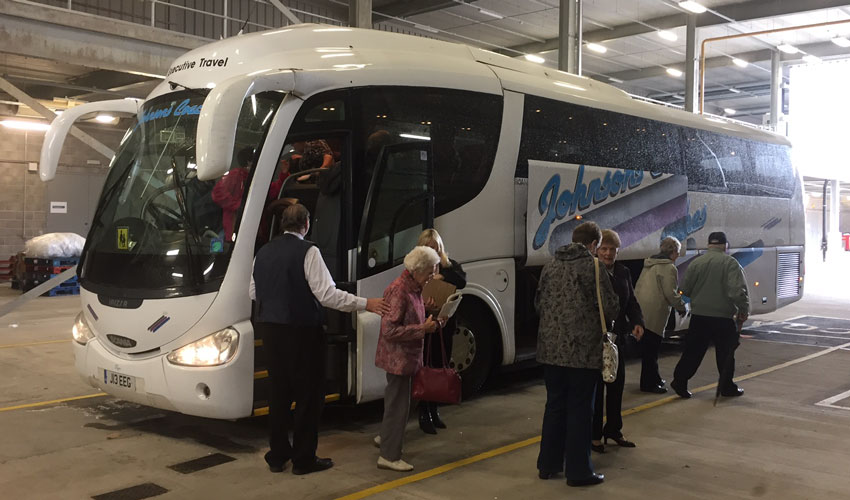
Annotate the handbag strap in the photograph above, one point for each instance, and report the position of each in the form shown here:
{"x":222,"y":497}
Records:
{"x":426,"y":358}
{"x":599,"y":299}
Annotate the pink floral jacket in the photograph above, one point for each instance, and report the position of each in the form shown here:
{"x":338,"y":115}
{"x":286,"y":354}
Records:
{"x":400,"y":342}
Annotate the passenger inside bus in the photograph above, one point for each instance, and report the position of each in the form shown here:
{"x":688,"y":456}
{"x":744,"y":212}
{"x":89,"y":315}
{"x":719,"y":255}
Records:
{"x":228,"y":191}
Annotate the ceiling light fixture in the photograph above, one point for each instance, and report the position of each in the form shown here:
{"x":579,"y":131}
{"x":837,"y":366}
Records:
{"x":811,"y":59}
{"x":667,"y":35}
{"x":615,"y":80}
{"x":25,"y":125}
{"x":788,"y":48}
{"x":534,"y":58}
{"x":694,"y":7}
{"x":491,"y":14}
{"x":740,"y":62}
{"x":106,"y":118}
{"x":729,"y":111}
{"x":426,"y":28}
{"x":674,"y":72}
{"x":734,"y":90}
{"x":597,"y":48}
{"x":841,"y":41}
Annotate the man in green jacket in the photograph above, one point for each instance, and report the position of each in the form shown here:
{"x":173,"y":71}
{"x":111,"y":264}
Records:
{"x":717,"y":288}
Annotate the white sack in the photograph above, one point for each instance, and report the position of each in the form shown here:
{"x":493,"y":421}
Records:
{"x":55,"y":245}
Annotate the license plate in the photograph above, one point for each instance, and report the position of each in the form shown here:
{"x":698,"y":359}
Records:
{"x":111,"y":378}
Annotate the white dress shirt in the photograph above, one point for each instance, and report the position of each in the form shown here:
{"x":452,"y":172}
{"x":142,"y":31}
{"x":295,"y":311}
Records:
{"x":321,"y":283}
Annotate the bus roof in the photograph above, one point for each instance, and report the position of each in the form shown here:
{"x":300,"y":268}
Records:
{"x":337,"y":57}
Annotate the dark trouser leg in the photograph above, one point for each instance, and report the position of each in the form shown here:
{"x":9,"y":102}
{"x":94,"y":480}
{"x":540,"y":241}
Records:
{"x":396,"y":413}
{"x":696,"y":343}
{"x":554,"y":436}
{"x":726,"y":339}
{"x":614,"y":399}
{"x":649,"y":344}
{"x":308,"y":375}
{"x":598,"y":404}
{"x":275,"y":344}
{"x":581,"y":387}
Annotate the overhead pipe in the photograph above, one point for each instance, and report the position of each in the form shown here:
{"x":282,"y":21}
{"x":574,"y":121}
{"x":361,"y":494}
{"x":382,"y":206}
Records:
{"x":745,"y":35}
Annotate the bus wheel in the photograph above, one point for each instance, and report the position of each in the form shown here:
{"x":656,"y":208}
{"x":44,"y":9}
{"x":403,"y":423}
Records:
{"x":473,"y":349}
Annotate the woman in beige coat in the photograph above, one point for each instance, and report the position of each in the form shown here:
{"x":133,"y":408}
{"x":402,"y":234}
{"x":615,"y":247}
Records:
{"x":657,"y":290}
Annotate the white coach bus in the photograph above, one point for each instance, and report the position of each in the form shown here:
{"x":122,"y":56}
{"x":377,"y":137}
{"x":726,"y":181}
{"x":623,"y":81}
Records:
{"x":502,"y":156}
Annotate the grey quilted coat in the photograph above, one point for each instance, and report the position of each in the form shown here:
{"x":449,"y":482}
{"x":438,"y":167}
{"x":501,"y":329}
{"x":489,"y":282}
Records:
{"x":570,"y":333}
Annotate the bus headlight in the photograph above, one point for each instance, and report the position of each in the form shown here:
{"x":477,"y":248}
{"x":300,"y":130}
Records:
{"x":212,"y":350}
{"x":81,"y":331}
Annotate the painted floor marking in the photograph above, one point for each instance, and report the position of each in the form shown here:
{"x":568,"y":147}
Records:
{"x":830,"y":402}
{"x":380,"y":488}
{"x":52,"y":402}
{"x":9,"y":346}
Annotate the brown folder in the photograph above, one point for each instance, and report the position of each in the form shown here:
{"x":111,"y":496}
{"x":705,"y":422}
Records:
{"x":439,"y":290}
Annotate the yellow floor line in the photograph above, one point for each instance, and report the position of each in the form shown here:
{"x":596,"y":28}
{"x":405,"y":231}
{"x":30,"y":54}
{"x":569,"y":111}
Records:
{"x":9,"y":346}
{"x":53,"y":402}
{"x":528,"y":442}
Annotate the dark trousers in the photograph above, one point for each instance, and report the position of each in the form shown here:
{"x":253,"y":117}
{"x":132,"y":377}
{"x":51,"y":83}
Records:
{"x":567,"y":421}
{"x":613,"y":402}
{"x":434,"y":351}
{"x":704,"y":330}
{"x":649,"y":345}
{"x":296,"y":364}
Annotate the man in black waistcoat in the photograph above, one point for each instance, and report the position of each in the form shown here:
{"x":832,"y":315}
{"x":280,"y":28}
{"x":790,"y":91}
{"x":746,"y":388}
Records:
{"x":292,"y":286}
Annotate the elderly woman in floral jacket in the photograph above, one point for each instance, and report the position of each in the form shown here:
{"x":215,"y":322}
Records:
{"x":569,"y":345}
{"x":400,"y":349}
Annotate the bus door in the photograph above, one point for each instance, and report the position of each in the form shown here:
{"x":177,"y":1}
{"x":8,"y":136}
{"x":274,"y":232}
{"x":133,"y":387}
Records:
{"x":399,"y":206}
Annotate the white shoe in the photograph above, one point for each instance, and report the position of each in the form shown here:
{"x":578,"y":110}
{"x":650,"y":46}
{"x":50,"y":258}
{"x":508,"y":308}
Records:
{"x":399,"y":465}
{"x":377,"y":441}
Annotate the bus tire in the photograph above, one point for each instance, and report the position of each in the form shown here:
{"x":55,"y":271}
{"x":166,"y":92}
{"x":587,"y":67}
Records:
{"x":474,"y":345}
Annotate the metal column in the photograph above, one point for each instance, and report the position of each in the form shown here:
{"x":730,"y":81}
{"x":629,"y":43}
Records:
{"x":834,"y":212}
{"x":360,"y":13}
{"x":569,"y":36}
{"x":775,"y":90}
{"x":691,"y":63}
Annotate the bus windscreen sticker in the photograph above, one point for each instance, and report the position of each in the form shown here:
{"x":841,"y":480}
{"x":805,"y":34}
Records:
{"x":123,"y":238}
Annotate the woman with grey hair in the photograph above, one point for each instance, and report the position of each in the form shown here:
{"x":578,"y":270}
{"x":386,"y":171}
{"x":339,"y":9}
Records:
{"x":399,"y":350}
{"x":657,"y":290}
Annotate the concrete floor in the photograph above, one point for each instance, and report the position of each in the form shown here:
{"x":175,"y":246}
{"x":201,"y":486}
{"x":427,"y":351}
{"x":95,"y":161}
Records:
{"x":772,"y":443}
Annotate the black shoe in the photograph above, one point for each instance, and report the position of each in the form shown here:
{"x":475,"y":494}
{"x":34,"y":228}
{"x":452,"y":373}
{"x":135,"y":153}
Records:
{"x":598,"y":448}
{"x":590,"y":481}
{"x":275,"y":465}
{"x":622,"y":442}
{"x":681,"y":389}
{"x":435,"y":416}
{"x":658,"y":389}
{"x":732,"y":393}
{"x":661,"y":382}
{"x":318,"y":464}
{"x":425,"y":422}
{"x":544,"y":475}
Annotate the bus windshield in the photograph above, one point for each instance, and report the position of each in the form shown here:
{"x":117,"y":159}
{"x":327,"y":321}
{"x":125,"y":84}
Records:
{"x":159,"y":231}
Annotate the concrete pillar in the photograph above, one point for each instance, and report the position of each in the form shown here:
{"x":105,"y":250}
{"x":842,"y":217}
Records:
{"x":569,"y":36}
{"x":360,"y":13}
{"x":775,"y":90}
{"x":691,"y":64}
{"x":834,"y":233}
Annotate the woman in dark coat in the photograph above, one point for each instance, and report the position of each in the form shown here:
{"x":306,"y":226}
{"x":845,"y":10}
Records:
{"x":629,"y":321}
{"x":452,"y":273}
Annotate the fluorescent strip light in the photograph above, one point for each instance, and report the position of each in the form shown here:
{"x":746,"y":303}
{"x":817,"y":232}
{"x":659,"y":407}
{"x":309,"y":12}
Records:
{"x":597,"y":48}
{"x":105,"y":118}
{"x":535,"y":59}
{"x":412,"y":136}
{"x":667,"y":35}
{"x":811,"y":59}
{"x":491,"y":14}
{"x":615,"y":80}
{"x":426,"y":28}
{"x":674,"y":72}
{"x":24,"y":125}
{"x":694,"y":7}
{"x":729,"y":111}
{"x":788,"y":48}
{"x":734,"y":90}
{"x":841,"y":41}
{"x":740,"y":62}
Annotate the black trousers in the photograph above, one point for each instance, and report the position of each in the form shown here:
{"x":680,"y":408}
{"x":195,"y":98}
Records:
{"x":704,"y":330}
{"x":433,"y":351}
{"x":649,"y":345}
{"x":613,"y":402}
{"x":567,"y":421}
{"x":296,"y":364}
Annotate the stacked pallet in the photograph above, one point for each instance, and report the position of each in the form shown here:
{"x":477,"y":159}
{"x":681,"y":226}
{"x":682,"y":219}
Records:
{"x":40,"y":270}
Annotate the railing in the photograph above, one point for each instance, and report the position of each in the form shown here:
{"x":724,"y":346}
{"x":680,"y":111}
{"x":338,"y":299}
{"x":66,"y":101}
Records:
{"x":211,"y":19}
{"x":709,"y":115}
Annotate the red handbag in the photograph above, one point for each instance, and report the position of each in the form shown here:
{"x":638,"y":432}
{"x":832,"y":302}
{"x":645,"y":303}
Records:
{"x":437,"y":385}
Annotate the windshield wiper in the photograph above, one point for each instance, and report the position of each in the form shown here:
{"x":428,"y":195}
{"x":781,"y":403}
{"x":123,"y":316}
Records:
{"x":189,"y":228}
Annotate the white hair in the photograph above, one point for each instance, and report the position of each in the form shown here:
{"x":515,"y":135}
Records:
{"x":669,"y":245}
{"x":420,"y":259}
